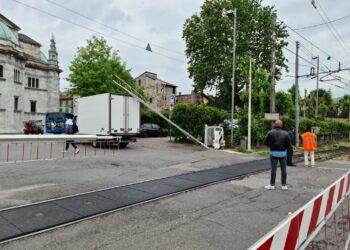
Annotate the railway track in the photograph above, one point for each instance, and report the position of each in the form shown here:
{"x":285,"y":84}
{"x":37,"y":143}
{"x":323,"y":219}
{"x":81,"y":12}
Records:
{"x":24,"y":221}
{"x":328,"y":154}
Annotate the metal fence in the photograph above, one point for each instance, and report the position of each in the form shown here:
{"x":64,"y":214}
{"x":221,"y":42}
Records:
{"x":19,"y":148}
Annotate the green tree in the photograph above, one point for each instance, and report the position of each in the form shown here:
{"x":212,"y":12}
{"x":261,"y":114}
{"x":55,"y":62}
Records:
{"x":344,"y":104}
{"x":291,"y":90}
{"x":325,"y":103}
{"x":260,"y":87}
{"x":94,"y":67}
{"x":208,"y":37}
{"x":284,"y":104}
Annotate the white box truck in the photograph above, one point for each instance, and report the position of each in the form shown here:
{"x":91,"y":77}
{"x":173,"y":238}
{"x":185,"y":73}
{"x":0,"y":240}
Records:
{"x":109,"y":115}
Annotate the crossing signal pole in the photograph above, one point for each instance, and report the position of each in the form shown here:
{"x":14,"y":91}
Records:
{"x":297,"y":94}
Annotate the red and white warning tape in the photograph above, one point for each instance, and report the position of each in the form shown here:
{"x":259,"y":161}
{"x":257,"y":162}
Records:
{"x":299,"y":229}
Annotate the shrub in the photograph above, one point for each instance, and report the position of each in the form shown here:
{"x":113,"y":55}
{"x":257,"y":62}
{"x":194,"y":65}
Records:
{"x":193,"y":118}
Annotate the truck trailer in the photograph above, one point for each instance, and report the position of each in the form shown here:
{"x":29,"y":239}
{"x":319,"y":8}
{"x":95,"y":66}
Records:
{"x":109,"y":115}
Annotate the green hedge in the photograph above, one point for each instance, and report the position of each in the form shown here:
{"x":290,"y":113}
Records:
{"x":326,"y":127}
{"x":193,"y":118}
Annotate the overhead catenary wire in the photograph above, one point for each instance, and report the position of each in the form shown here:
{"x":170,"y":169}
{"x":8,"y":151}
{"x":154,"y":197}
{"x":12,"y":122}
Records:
{"x":95,"y":31}
{"x":311,"y":63}
{"x":141,"y":47}
{"x":334,"y":32}
{"x":308,"y":53}
{"x":310,"y":42}
{"x":322,"y":24}
{"x":112,"y":28}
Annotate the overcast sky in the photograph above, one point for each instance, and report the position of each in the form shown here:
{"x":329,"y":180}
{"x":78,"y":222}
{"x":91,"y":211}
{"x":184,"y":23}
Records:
{"x":160,"y":23}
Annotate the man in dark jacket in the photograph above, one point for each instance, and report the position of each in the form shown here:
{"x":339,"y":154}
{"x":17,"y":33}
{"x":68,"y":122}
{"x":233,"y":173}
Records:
{"x":278,"y":141}
{"x":69,"y":125}
{"x":291,"y":134}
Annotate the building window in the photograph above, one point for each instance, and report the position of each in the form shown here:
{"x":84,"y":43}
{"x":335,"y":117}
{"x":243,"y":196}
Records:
{"x":1,"y":71}
{"x":16,"y":100}
{"x":17,"y":74}
{"x":174,"y":90}
{"x":33,"y":82}
{"x":140,"y":82}
{"x":33,"y":106}
{"x":150,"y":100}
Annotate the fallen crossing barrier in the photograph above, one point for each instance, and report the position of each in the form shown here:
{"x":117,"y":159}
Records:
{"x":300,"y":228}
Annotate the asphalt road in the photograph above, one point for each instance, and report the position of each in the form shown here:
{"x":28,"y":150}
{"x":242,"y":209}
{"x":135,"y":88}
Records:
{"x":230,"y":215}
{"x":149,"y":158}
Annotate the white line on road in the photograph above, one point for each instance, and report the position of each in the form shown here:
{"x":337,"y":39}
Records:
{"x":346,"y":169}
{"x":232,"y":152}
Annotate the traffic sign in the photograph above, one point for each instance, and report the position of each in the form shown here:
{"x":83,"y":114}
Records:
{"x":172,"y":99}
{"x":272,"y":116}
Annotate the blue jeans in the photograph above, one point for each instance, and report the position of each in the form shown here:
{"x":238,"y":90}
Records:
{"x":274,"y":161}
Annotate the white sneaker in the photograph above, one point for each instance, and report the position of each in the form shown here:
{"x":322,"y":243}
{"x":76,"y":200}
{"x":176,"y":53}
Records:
{"x":269,"y":187}
{"x":77,"y":151}
{"x":284,"y":187}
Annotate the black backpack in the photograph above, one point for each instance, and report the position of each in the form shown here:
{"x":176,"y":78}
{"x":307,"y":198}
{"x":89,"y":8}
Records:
{"x":75,"y":128}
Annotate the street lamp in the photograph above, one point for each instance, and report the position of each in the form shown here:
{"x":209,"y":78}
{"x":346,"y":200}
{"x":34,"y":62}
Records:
{"x":234,"y":13}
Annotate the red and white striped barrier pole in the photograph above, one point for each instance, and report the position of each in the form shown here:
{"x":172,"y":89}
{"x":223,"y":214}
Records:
{"x":297,"y":231}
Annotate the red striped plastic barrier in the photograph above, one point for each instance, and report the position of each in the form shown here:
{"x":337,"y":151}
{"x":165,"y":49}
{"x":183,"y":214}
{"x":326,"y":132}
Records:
{"x":298,"y":230}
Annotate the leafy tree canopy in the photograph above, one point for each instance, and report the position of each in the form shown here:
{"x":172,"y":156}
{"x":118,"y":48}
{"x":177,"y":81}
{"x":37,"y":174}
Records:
{"x":325,"y":102}
{"x":209,"y":39}
{"x":284,"y":104}
{"x":94,"y":67}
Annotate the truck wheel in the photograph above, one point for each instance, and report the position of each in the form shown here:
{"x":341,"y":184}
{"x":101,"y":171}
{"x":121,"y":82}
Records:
{"x":123,"y":144}
{"x":95,"y":144}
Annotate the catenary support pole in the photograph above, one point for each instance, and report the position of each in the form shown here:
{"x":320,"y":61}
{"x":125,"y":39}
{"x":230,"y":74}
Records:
{"x":273,"y":68}
{"x":317,"y":81}
{"x":297,"y":94}
{"x":233,"y":73}
{"x":250,"y":106}
{"x":304,"y":109}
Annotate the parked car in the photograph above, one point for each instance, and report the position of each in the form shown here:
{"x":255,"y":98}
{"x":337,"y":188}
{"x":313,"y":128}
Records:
{"x":151,"y":129}
{"x":33,"y":127}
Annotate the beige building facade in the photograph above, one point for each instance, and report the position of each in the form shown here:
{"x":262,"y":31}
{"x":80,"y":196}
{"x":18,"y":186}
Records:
{"x":158,"y":91}
{"x":29,"y":81}
{"x":193,"y":98}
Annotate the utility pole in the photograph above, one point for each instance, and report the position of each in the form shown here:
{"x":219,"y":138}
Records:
{"x":273,"y":68}
{"x":297,"y":94}
{"x":317,"y":80}
{"x":233,"y":72}
{"x":304,"y":113}
{"x":250,"y":106}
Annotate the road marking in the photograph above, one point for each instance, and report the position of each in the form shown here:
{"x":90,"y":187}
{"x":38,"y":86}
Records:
{"x":232,"y":152}
{"x":12,"y":162}
{"x":8,"y":192}
{"x":328,"y":168}
{"x":183,"y":166}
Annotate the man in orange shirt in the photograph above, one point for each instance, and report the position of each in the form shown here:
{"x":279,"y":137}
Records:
{"x":310,"y":146}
